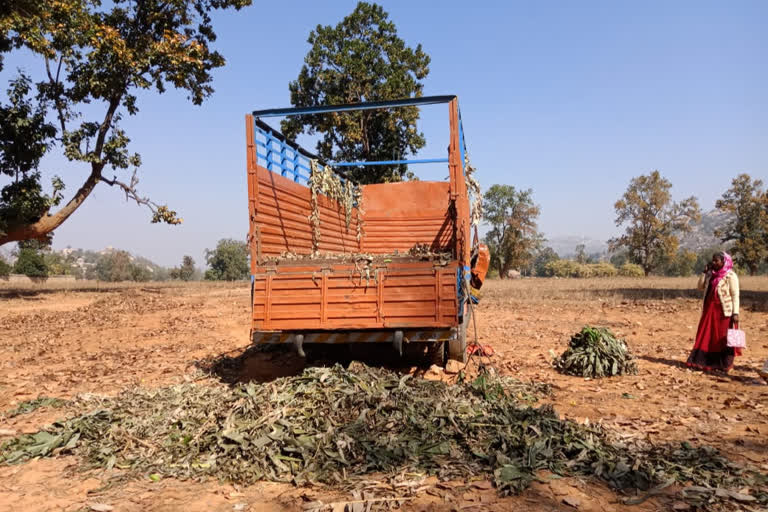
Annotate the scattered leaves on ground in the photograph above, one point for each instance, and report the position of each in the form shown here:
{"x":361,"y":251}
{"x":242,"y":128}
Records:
{"x":339,"y":426}
{"x":32,"y":405}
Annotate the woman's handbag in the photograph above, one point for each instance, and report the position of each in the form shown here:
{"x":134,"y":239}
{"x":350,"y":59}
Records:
{"x":736,"y":338}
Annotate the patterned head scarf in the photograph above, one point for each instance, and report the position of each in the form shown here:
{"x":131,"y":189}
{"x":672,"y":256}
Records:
{"x":727,"y":265}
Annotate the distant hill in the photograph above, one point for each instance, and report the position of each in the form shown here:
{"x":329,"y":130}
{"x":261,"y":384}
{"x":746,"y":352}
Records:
{"x":703,"y":234}
{"x":565,"y":246}
{"x":701,"y":237}
{"x":85,"y":260}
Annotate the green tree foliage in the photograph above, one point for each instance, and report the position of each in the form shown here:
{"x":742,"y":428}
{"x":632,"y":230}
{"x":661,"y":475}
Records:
{"x":361,"y":59}
{"x":96,"y":59}
{"x":747,"y":202}
{"x":58,"y":265}
{"x":619,"y":258}
{"x":25,"y":137}
{"x":653,"y":221}
{"x":118,"y":266}
{"x":581,"y":254}
{"x":682,"y":264}
{"x":542,"y":259}
{"x":30,"y":260}
{"x":228,"y":261}
{"x":186,"y":272}
{"x":631,"y":270}
{"x":140,"y":274}
{"x":115,"y":266}
{"x":514,"y":236}
{"x":5,"y":268}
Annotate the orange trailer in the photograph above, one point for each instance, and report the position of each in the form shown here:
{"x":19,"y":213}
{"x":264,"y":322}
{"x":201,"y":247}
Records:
{"x":310,"y":286}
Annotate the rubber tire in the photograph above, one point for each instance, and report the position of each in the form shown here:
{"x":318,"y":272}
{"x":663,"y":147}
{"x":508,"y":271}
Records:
{"x":457,"y":348}
{"x":425,"y":353}
{"x":436,"y":354}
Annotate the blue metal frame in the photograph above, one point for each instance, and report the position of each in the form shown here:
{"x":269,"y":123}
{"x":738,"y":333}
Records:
{"x":390,"y":162}
{"x":324,"y":109}
{"x":276,"y":155}
{"x":298,"y":158}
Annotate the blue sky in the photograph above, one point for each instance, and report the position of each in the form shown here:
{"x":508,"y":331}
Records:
{"x":571,"y":99}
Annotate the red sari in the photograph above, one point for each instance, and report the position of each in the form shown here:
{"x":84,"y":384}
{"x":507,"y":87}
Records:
{"x":711,"y":351}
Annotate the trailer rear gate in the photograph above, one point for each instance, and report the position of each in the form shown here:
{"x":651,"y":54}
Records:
{"x":293,"y":293}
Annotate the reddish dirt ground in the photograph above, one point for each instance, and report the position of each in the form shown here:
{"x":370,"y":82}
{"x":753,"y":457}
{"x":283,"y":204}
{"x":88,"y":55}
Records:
{"x":62,"y":343}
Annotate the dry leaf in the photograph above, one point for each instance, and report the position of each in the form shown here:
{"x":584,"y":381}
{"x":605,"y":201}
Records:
{"x":100,"y":507}
{"x":572,"y":501}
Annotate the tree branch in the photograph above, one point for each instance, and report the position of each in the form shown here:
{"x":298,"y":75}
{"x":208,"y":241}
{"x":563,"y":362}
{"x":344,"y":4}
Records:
{"x":130,"y":191}
{"x":55,"y":83}
{"x":47,"y":223}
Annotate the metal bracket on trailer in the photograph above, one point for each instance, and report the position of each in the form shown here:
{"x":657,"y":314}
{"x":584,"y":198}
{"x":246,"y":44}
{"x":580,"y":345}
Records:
{"x":394,"y":336}
{"x":397,"y":342}
{"x":298,"y":342}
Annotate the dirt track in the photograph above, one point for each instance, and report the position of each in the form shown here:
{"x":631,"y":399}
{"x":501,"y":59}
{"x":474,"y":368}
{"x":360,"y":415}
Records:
{"x":63,"y":343}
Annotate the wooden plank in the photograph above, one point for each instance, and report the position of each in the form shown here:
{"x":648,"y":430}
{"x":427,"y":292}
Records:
{"x":437,"y":296}
{"x":324,"y":300}
{"x":380,"y":297}
{"x":268,"y":300}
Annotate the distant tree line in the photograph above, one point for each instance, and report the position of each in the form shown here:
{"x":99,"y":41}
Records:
{"x":36,"y":259}
{"x":650,"y":244}
{"x":228,"y":261}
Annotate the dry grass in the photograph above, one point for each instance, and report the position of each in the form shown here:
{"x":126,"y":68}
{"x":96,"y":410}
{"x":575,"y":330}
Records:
{"x":754,"y":290}
{"x":616,"y":289}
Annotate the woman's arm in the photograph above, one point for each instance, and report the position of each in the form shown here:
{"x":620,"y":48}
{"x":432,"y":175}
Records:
{"x":702,"y":280}
{"x":733,"y":283}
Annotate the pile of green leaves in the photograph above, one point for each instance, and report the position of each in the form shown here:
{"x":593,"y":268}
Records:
{"x":33,"y":405}
{"x":338,"y":426}
{"x":596,"y":352}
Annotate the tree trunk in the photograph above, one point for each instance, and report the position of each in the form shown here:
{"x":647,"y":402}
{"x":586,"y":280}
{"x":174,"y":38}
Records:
{"x":500,"y":269}
{"x":646,"y":266}
{"x":47,"y":223}
{"x":505,"y":268}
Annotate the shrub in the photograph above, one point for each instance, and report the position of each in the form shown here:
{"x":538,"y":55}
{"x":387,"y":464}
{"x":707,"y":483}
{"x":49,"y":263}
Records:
{"x":562,"y":268}
{"x":570,"y":268}
{"x":5,"y":268}
{"x":583,"y":270}
{"x":631,"y":270}
{"x":31,"y":263}
{"x":603,"y":270}
{"x":542,"y":259}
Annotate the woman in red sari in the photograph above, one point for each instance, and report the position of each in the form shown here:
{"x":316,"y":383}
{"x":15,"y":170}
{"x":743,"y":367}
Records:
{"x":721,"y":311}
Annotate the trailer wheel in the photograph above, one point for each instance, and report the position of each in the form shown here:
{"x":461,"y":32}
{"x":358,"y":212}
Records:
{"x":425,"y":353}
{"x":436,"y":353}
{"x":457,"y":348}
